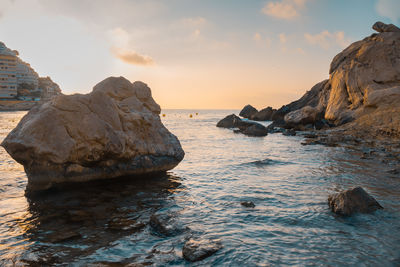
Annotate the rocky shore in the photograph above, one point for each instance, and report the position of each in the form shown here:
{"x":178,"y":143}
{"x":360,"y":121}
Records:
{"x":360,"y":100}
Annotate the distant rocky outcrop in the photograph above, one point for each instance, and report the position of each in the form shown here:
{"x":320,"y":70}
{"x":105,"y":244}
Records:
{"x":113,"y":131}
{"x":248,"y":111}
{"x":363,"y":90}
{"x":352,"y":201}
{"x":264,"y":114}
{"x":245,"y":127}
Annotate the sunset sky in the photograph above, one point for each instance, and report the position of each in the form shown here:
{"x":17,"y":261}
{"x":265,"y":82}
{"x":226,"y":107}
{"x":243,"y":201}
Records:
{"x":193,"y":54}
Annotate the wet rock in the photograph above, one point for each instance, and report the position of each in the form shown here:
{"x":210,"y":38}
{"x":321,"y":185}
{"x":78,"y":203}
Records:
{"x":200,"y":248}
{"x":382,"y":27}
{"x":125,"y":224}
{"x":166,"y":224}
{"x":230,"y":121}
{"x":79,"y":215}
{"x":264,"y":114}
{"x":63,"y":236}
{"x":255,"y":130}
{"x":245,"y":127}
{"x":247,"y":204}
{"x":289,"y":132}
{"x":248,"y":111}
{"x":351,"y":201}
{"x":113,"y":131}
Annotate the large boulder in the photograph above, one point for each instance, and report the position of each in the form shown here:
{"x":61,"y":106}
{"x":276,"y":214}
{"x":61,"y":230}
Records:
{"x":264,"y":114}
{"x":351,"y":201}
{"x":113,"y":131}
{"x":248,"y":111}
{"x":303,"y":116}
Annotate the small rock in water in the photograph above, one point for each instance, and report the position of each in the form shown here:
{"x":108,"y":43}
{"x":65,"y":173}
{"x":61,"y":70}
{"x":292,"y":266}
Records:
{"x":289,"y":132}
{"x":63,"y":236}
{"x":200,"y":248}
{"x":351,"y":201}
{"x":247,"y":204}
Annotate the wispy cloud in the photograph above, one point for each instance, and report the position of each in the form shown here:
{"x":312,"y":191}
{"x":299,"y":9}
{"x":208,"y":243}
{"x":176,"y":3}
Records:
{"x":131,"y":57}
{"x":389,"y":9}
{"x":284,"y":9}
{"x":326,"y":40}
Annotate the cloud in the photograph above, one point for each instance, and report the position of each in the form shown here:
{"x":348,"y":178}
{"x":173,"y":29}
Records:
{"x":389,"y":9}
{"x":284,"y":9}
{"x":197,"y":22}
{"x":131,"y":57}
{"x":326,"y":40}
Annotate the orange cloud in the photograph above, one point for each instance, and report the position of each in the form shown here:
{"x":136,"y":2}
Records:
{"x":285,"y":9}
{"x":132,"y":57}
{"x":326,"y":40}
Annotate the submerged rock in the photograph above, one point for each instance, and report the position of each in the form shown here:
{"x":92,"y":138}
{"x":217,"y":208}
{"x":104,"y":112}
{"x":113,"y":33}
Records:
{"x":166,"y":224}
{"x":113,"y":131}
{"x":247,"y":204}
{"x":248,"y":111}
{"x":351,"y":201}
{"x":200,"y":248}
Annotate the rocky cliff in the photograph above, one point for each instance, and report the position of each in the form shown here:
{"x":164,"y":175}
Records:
{"x":362,"y":93}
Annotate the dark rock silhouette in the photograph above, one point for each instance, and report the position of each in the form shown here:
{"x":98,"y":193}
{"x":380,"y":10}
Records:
{"x":248,"y":111}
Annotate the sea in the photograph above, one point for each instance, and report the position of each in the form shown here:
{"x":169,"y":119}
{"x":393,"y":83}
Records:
{"x":106,"y":223}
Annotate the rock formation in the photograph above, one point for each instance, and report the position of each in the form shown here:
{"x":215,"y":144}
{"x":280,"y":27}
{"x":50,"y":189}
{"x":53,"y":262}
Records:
{"x":264,"y":114}
{"x":351,"y":201}
{"x":113,"y":131}
{"x":248,"y":111}
{"x":245,"y":127}
{"x":363,"y":90}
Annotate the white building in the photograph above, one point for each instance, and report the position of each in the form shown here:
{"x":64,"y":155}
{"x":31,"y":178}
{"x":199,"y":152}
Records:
{"x":8,"y":72}
{"x":16,"y":75}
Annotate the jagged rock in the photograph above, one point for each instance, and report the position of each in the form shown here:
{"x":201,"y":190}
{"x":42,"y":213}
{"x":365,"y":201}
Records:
{"x":302,"y":116}
{"x":113,"y":131}
{"x":264,"y":114}
{"x":248,"y":111}
{"x":352,"y":201}
{"x":200,"y":248}
{"x":362,"y":94}
{"x":317,"y":98}
{"x":382,"y":27}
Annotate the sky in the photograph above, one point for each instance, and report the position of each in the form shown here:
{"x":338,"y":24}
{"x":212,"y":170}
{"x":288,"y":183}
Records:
{"x":193,"y":54}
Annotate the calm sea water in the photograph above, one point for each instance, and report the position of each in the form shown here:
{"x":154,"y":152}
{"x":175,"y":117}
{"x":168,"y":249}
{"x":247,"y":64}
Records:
{"x":106,"y":223}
